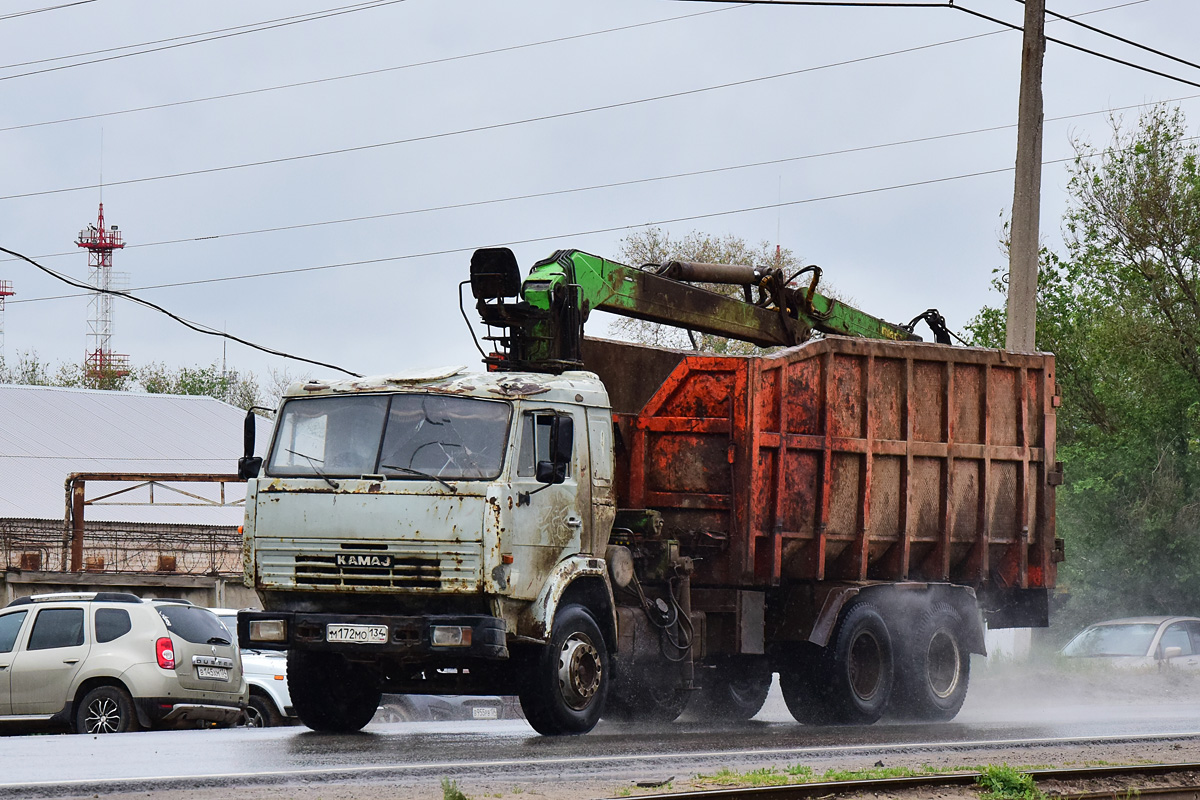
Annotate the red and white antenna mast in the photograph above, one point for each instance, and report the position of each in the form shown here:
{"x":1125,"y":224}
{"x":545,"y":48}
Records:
{"x":6,"y":291}
{"x":100,"y":242}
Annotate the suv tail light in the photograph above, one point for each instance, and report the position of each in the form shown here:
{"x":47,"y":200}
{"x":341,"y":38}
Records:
{"x":165,"y":652}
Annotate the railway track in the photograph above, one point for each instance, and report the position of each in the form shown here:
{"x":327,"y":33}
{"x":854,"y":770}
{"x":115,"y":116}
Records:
{"x":1136,"y":782}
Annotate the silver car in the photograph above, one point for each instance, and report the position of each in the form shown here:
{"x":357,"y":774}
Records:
{"x":1140,"y":642}
{"x":109,"y":662}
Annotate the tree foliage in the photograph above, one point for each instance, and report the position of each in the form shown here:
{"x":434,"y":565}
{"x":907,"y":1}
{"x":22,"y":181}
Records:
{"x":1120,"y":308}
{"x":655,"y":246}
{"x":234,"y":387}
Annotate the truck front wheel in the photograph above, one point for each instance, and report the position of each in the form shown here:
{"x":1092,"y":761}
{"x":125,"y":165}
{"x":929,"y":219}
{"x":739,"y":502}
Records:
{"x":567,"y":680}
{"x":330,"y":693}
{"x":933,"y":667}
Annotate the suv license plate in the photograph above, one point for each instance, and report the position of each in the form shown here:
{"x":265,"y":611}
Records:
{"x":485,"y":712}
{"x":212,"y":673}
{"x":357,"y":634}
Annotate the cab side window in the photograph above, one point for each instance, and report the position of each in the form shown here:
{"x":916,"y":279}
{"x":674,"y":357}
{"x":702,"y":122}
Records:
{"x":535,"y":443}
{"x":56,"y":627}
{"x":10,"y":626}
{"x":112,"y":623}
{"x":1176,"y":636}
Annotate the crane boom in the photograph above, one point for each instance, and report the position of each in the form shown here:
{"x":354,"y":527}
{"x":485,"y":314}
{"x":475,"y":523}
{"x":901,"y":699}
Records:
{"x":544,"y":324}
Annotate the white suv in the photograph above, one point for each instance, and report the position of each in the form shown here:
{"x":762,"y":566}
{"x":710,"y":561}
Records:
{"x":108,"y":662}
{"x":266,"y":672}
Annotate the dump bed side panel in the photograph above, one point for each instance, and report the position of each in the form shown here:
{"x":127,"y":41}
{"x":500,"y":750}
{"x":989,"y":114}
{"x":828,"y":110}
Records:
{"x":845,"y":459}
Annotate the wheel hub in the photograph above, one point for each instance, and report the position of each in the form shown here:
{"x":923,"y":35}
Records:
{"x":579,"y":671}
{"x":103,"y":717}
{"x":943,"y":664}
{"x":865,"y":665}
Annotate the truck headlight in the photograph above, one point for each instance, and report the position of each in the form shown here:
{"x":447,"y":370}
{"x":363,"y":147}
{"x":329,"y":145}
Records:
{"x":450,"y":636}
{"x":268,"y":630}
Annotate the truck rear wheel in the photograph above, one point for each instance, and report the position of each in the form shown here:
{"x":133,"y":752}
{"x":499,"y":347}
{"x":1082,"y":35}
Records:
{"x":330,"y":693}
{"x":850,"y":681}
{"x":567,"y":679}
{"x":733,"y":691}
{"x":933,"y":667}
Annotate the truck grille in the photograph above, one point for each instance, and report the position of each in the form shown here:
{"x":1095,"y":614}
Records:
{"x":439,"y":566}
{"x":322,"y":570}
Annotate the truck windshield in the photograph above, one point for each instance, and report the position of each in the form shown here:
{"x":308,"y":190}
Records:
{"x":403,"y":436}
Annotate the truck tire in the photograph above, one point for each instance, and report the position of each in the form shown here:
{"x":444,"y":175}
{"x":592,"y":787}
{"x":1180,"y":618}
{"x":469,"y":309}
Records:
{"x":850,"y":681}
{"x":933,"y":667}
{"x":566,"y":680}
{"x":330,"y":693}
{"x":106,"y":709}
{"x":734,"y":691}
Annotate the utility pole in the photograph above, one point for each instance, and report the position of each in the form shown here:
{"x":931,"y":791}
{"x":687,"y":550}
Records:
{"x":1023,"y":245}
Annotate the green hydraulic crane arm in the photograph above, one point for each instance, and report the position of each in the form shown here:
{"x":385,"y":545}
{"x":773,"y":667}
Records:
{"x":545,"y":324}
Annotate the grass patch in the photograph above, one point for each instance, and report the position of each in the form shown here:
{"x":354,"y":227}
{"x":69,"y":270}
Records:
{"x":450,"y":790}
{"x":1007,"y":783}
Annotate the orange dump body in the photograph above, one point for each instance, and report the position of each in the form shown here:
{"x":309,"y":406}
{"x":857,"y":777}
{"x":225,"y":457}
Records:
{"x":842,"y":460}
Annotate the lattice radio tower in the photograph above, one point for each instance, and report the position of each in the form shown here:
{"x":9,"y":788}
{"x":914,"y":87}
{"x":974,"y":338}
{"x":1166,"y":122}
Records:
{"x":100,"y":361}
{"x":6,"y":291}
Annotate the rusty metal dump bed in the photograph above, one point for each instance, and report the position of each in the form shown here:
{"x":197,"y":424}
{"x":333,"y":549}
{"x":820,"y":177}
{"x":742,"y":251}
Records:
{"x":842,"y":459}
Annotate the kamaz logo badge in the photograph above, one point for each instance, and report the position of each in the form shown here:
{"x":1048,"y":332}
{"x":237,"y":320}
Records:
{"x":363,"y":560}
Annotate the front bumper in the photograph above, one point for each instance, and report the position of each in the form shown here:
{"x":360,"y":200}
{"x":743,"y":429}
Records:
{"x":407,"y":635}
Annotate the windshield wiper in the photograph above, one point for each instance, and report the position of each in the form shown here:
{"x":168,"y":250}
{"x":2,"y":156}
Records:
{"x":312,"y":462}
{"x":418,"y":472}
{"x":217,"y":640}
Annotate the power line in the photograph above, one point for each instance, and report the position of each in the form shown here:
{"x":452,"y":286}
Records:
{"x":513,"y":123}
{"x":534,"y":240}
{"x":207,"y":331}
{"x":950,"y":4}
{"x":1121,"y":39}
{"x":1072,"y":46}
{"x":366,"y":73}
{"x":174,"y":38}
{"x":320,"y":15}
{"x":432,"y":253}
{"x":494,"y":126}
{"x":47,"y":8}
{"x":610,"y":185}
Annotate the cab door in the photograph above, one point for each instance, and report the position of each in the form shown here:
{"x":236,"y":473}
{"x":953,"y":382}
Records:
{"x":549,"y":521}
{"x":10,"y":629}
{"x":42,"y":671}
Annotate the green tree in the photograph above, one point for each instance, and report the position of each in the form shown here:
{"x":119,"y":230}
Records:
{"x":1120,"y":308}
{"x":233,"y":387}
{"x":655,"y":246}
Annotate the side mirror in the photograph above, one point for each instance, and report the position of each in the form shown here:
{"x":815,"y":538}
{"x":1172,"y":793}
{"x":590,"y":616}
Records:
{"x":1171,"y":652}
{"x":562,"y":441}
{"x":248,"y":467}
{"x":249,"y":464}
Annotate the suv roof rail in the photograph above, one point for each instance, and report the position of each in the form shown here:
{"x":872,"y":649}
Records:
{"x":102,"y":597}
{"x":117,"y":597}
{"x":176,"y":600}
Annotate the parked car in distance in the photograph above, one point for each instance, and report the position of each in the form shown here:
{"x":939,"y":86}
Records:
{"x":270,"y":703}
{"x":1140,"y":642}
{"x":110,"y":662}
{"x":426,"y":707}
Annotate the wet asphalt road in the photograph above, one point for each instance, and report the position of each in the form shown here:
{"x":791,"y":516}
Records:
{"x":510,"y":750}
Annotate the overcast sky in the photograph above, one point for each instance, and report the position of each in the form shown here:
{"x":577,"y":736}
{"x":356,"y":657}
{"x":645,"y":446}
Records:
{"x":861,"y":77}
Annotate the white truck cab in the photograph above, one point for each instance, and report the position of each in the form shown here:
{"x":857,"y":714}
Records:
{"x":408,"y":527}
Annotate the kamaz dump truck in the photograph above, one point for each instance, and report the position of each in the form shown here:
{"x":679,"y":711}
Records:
{"x":612,"y":530}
